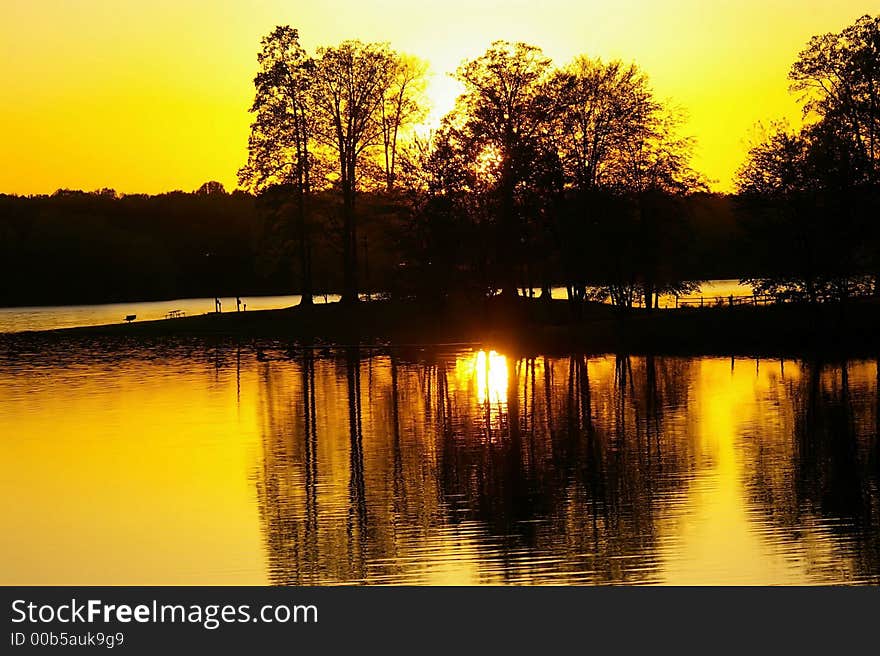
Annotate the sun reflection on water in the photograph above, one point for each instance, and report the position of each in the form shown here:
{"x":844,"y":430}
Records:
{"x":204,"y":464}
{"x":490,"y":372}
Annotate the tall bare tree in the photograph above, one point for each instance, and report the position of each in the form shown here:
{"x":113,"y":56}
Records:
{"x":350,"y":86}
{"x":816,"y":190}
{"x":403,"y":106}
{"x":279,"y":147}
{"x":617,"y":143}
{"x":602,"y":107}
{"x":838,"y":77}
{"x":503,"y":112}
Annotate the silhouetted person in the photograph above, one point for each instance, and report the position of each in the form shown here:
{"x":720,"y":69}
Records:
{"x":218,"y":306}
{"x":238,"y":304}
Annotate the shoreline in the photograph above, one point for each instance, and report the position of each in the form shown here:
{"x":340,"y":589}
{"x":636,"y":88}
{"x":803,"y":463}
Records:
{"x":851,"y":329}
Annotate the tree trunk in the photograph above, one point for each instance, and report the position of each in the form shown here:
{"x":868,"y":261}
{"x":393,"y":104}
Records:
{"x":649,"y":295}
{"x":546,"y":293}
{"x":507,"y":242}
{"x":811,"y":291}
{"x":305,"y":253}
{"x":349,"y":282}
{"x":302,"y":211}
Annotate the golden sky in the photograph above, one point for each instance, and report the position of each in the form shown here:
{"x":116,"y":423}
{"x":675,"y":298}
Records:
{"x":152,"y":96}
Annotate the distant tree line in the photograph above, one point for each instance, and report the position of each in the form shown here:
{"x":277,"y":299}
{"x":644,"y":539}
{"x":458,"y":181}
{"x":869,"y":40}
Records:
{"x":74,"y":246}
{"x":101,"y":246}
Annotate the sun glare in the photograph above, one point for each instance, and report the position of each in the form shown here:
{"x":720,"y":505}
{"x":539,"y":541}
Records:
{"x":490,"y":372}
{"x":488,"y":162}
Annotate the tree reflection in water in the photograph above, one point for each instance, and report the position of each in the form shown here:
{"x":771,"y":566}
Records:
{"x":481,"y":467}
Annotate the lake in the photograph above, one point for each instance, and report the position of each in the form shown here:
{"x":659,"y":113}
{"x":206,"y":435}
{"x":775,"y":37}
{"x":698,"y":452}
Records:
{"x":194,"y":462}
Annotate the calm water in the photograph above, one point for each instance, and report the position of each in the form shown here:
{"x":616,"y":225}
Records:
{"x":197,"y":463}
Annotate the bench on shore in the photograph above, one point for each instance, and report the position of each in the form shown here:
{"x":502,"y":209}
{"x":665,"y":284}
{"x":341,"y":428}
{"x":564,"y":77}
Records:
{"x":130,"y":317}
{"x":174,"y":314}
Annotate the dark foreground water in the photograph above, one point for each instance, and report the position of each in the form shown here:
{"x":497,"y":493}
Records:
{"x":206,"y":464}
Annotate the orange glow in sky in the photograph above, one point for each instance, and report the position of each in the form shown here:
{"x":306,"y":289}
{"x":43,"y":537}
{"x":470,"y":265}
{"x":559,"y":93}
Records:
{"x":153,"y":96}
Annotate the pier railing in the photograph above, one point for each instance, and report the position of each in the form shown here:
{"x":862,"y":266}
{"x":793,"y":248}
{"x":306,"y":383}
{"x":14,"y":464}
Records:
{"x":751,"y":299}
{"x":732,"y":299}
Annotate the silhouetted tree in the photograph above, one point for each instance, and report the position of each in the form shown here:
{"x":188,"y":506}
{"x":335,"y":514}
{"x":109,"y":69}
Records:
{"x":654,"y":171}
{"x":351,"y":83}
{"x":211,"y":187}
{"x":623,"y":163}
{"x":444,"y":245}
{"x":804,"y":214}
{"x":280,"y":144}
{"x":818,"y":188}
{"x":501,"y":118}
{"x":838,"y":78}
{"x":602,"y":107}
{"x":402,"y":107}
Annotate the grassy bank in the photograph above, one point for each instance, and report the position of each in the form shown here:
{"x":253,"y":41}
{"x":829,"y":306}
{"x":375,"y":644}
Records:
{"x":533,"y":325}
